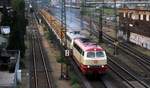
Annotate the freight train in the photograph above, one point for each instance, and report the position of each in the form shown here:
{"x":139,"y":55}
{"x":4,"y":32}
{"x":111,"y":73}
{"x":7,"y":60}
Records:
{"x":89,"y":56}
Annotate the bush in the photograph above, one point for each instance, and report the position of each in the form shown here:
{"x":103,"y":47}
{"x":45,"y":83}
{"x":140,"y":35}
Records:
{"x":74,"y":79}
{"x":76,"y":85}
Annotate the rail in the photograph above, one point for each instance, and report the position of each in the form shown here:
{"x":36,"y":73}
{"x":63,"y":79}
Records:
{"x":36,"y":40}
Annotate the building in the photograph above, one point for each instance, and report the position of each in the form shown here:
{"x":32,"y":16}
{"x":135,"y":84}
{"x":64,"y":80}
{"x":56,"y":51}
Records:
{"x":6,"y":3}
{"x":134,"y":26}
{"x":9,"y":68}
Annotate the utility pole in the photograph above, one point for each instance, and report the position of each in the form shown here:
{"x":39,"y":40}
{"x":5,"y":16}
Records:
{"x":83,"y":4}
{"x":63,"y":38}
{"x":116,"y":29}
{"x":101,"y":12}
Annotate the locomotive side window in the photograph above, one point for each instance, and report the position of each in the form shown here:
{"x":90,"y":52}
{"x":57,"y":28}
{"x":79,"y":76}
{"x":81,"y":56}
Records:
{"x":68,"y":38}
{"x":79,"y":49}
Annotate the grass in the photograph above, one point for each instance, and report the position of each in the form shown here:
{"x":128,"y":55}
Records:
{"x":108,"y":11}
{"x":74,"y":80}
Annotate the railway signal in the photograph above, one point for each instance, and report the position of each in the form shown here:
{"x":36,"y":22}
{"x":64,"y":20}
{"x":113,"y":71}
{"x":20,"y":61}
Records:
{"x":67,"y":53}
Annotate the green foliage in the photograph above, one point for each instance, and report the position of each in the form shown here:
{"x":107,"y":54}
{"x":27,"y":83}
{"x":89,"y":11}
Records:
{"x":61,"y":59}
{"x":76,"y":85}
{"x":18,"y":27}
{"x":74,"y":79}
{"x":107,"y":11}
{"x":18,"y":5}
{"x":6,"y":18}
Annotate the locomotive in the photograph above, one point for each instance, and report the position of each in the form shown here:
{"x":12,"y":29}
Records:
{"x":89,"y":56}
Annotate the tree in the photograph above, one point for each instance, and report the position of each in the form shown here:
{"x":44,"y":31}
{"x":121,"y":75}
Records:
{"x":18,"y":27}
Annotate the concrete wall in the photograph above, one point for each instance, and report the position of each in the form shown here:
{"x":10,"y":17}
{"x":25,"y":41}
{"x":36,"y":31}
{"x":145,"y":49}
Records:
{"x":140,"y":40}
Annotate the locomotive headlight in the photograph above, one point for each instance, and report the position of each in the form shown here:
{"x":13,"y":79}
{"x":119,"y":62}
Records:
{"x":88,"y":66}
{"x":102,"y":66}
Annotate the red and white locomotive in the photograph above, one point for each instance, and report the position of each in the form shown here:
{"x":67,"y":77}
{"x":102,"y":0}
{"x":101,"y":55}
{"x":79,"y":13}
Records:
{"x":90,"y":57}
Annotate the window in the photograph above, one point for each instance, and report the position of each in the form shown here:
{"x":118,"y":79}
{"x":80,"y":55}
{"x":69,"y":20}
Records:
{"x":135,"y":17}
{"x":68,"y":38}
{"x":124,"y":15}
{"x":147,"y":17}
{"x":91,"y":54}
{"x":95,"y":54}
{"x":141,"y":17}
{"x":99,"y":54}
{"x":129,"y":15}
{"x":79,"y":49}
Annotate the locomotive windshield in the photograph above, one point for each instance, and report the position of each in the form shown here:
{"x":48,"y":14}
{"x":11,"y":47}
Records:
{"x":95,"y":54}
{"x":91,"y":54}
{"x":100,"y":54}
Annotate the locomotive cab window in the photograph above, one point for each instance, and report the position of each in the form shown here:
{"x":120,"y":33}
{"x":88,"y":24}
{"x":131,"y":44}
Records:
{"x":100,"y":54}
{"x":95,"y":54}
{"x":91,"y":54}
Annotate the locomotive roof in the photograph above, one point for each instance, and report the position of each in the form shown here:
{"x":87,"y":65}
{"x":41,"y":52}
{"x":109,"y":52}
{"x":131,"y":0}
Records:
{"x":86,"y":45}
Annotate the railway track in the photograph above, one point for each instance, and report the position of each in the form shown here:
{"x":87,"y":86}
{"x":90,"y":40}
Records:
{"x":140,"y":58}
{"x":41,"y":74}
{"x":130,"y":79}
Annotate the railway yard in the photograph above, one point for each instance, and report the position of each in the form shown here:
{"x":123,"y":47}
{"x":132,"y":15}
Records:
{"x":52,"y":63}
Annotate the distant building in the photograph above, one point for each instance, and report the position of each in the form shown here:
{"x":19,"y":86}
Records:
{"x":56,"y":2}
{"x":5,"y":30}
{"x":10,"y":74}
{"x":135,"y":26}
{"x":6,"y":3}
{"x":4,"y":35}
{"x":3,"y":42}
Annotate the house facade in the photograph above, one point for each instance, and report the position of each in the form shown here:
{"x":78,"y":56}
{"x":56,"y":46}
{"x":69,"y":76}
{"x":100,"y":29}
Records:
{"x":134,"y":26}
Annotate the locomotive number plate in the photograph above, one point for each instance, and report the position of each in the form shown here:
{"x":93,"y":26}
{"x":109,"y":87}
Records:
{"x":95,"y":61}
